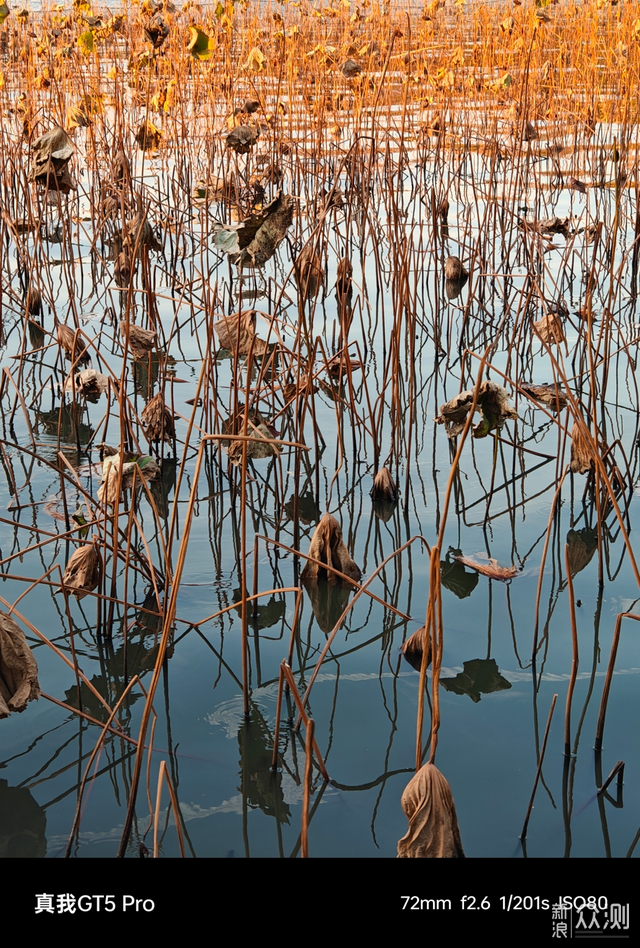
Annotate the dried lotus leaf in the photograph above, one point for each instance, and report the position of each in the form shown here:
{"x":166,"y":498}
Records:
{"x":344,"y":287}
{"x":454,"y":270}
{"x":264,"y":448}
{"x":243,"y":138}
{"x":413,"y":649}
{"x":89,"y":383}
{"x":496,"y":409}
{"x":148,"y":137}
{"x":33,"y":302}
{"x":549,"y":328}
{"x":271,"y":226}
{"x":453,"y":414}
{"x":158,"y":420}
{"x":581,"y":450}
{"x":121,"y":169}
{"x":83,"y":571}
{"x":350,"y":69}
{"x":156,"y":30}
{"x":141,"y":233}
{"x":384,"y":487}
{"x":433,"y":825}
{"x":237,"y":331}
{"x":577,"y":185}
{"x":73,"y":345}
{"x":492,"y":401}
{"x":122,"y":270}
{"x":328,"y":546}
{"x":491,"y":568}
{"x":309,"y":273}
{"x":553,"y":225}
{"x":141,"y":341}
{"x":549,"y":394}
{"x":18,"y":668}
{"x":50,"y":156}
{"x":108,"y":490}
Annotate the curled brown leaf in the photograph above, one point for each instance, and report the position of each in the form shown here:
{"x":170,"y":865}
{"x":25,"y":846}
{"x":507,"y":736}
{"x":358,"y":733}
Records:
{"x":549,"y":394}
{"x":50,"y":156}
{"x":492,"y":568}
{"x":73,"y":345}
{"x":141,"y":341}
{"x":309,"y":273}
{"x":18,"y":668}
{"x":413,"y":649}
{"x":260,"y":235}
{"x":581,"y":451}
{"x":492,"y":401}
{"x":549,"y":328}
{"x":236,"y":332}
{"x":433,"y":825}
{"x":328,"y":546}
{"x":83,"y":571}
{"x":384,"y":486}
{"x":158,"y":420}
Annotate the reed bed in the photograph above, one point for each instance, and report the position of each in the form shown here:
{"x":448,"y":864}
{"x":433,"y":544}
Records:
{"x":263,"y":261}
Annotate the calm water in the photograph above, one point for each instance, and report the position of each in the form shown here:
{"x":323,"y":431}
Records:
{"x":494,"y":700}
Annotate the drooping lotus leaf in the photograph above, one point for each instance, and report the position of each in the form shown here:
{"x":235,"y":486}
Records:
{"x":308,"y":273}
{"x":581,"y":451}
{"x":50,"y":156}
{"x":433,"y":825}
{"x":582,"y":544}
{"x":549,"y":328}
{"x":158,"y":420}
{"x":89,"y":383}
{"x":549,"y":394}
{"x":490,"y":568}
{"x":18,"y":669}
{"x":413,"y":649}
{"x":492,"y":401}
{"x":108,"y":490}
{"x":328,"y":546}
{"x":83,"y":570}
{"x":384,"y":486}
{"x":242,"y":138}
{"x":237,"y":333}
{"x":260,"y":235}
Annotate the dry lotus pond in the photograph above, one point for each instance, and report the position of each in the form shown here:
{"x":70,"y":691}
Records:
{"x":320,"y":427}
